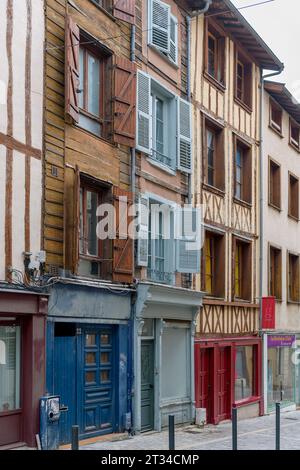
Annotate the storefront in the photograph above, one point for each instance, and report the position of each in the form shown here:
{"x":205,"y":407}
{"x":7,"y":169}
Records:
{"x":22,"y":364}
{"x":227,"y":373}
{"x":164,"y":329}
{"x":89,"y":357}
{"x":280,"y":353}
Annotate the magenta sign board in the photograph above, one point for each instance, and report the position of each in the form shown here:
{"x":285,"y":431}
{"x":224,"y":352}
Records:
{"x":281,"y":341}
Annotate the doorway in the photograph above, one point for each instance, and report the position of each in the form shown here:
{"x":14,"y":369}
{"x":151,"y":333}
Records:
{"x":147,"y":385}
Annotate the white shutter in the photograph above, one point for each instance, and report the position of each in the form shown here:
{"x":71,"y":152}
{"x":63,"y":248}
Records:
{"x":184,"y":136}
{"x":142,"y":241}
{"x":188,"y":246}
{"x":144,"y":124}
{"x":160,"y":25}
{"x":173,"y":54}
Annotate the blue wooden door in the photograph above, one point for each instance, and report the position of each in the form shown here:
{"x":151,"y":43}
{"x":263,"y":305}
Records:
{"x":65,"y":383}
{"x":97,"y":410}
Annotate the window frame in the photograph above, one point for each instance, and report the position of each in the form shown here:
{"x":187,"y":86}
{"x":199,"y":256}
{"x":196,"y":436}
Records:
{"x":275,"y":282}
{"x":294,"y":216}
{"x":218,"y":157}
{"x":273,"y":124}
{"x":246,"y":167}
{"x":214,"y":31}
{"x":84,"y":188}
{"x":276,"y":204}
{"x":245,"y":269}
{"x":291,"y":298}
{"x":241,"y":58}
{"x":217,"y":241}
{"x":292,"y":141}
{"x":256,"y":373}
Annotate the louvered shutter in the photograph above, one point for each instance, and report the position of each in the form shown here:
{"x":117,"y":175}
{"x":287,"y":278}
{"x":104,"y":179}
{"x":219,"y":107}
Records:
{"x":144,"y":124}
{"x":160,"y":25}
{"x":125,"y":10}
{"x":72,"y":218}
{"x":188,"y":253}
{"x":184,"y":136}
{"x":124,"y":102}
{"x":72,"y":39}
{"x":173,"y":39}
{"x":122,"y":247}
{"x":142,"y":240}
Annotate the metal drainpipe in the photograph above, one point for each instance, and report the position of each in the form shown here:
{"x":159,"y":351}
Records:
{"x":261,"y":216}
{"x":132,"y":149}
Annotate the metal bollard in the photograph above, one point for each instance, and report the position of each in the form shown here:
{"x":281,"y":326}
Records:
{"x":171,"y":432}
{"x":75,"y":438}
{"x":277,"y":426}
{"x":234,"y":428}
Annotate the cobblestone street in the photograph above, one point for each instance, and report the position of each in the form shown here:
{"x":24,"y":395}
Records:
{"x":253,"y":434}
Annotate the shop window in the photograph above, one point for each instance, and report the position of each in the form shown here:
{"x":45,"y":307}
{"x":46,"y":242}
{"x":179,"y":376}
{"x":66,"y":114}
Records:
{"x":293,"y":196}
{"x":281,"y":376}
{"x":275,"y":273}
{"x":275,"y":116}
{"x":245,"y":386}
{"x":293,"y":278}
{"x":214,"y":264}
{"x":215,"y":54}
{"x":214,"y":156}
{"x":10,"y":358}
{"x":242,"y":172}
{"x":242,"y":270}
{"x":243,"y":80}
{"x":274,"y":185}
{"x":295,"y":135}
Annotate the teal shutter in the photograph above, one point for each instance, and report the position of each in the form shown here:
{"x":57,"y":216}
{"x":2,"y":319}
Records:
{"x":144,"y":124}
{"x":173,"y":54}
{"x":159,"y":27}
{"x":142,"y":241}
{"x":184,"y":152}
{"x":188,"y":243}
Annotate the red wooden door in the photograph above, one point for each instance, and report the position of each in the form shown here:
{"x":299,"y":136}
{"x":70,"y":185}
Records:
{"x":203,"y":382}
{"x":223,"y":383}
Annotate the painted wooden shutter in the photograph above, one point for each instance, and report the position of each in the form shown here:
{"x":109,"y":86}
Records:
{"x":188,"y":260}
{"x":144,"y":121}
{"x":173,"y":39}
{"x":122,"y":248}
{"x":142,"y":241}
{"x":184,"y":136}
{"x":125,"y":102}
{"x":72,"y":218}
{"x":72,"y":69}
{"x":160,"y":25}
{"x":125,"y":10}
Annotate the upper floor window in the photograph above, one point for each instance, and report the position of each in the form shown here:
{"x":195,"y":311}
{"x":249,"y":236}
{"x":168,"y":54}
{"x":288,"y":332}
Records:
{"x":293,"y":197}
{"x":106,"y":4}
{"x":274,"y":184}
{"x":243,"y":80}
{"x":214,"y":156}
{"x":295,"y":135}
{"x":242,"y":269}
{"x":94,"y":90}
{"x":215,"y":54}
{"x":214,"y":264}
{"x":275,"y":272}
{"x":275,"y":116}
{"x":293,"y":278}
{"x":163,"y":29}
{"x":242,"y":171}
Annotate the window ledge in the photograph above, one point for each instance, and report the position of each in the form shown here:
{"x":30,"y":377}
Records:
{"x":293,"y":302}
{"x":242,"y":203}
{"x":297,"y":149}
{"x":106,"y":12}
{"x":213,"y":189}
{"x":247,"y":401}
{"x":245,"y":106}
{"x":214,"y":81}
{"x":292,"y":217}
{"x":165,"y":57}
{"x":274,"y":129}
{"x":161,"y":166}
{"x":276,"y":208}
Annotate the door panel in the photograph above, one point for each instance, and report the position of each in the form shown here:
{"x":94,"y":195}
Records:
{"x":205,"y":381}
{"x":223,"y":384}
{"x":147,"y":385}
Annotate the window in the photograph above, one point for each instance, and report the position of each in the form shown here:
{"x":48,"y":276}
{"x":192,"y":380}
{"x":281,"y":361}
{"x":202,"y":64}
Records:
{"x":242,"y":172}
{"x":275,"y":116}
{"x":242,"y":269}
{"x":10,"y":361}
{"x":215,"y":54}
{"x":293,"y":278}
{"x":94,"y":101}
{"x":293,"y":196}
{"x":275,"y":270}
{"x":295,"y":135}
{"x":163,"y":29}
{"x":245,"y":359}
{"x":214,"y":264}
{"x":274,"y":184}
{"x":106,"y":4}
{"x":243,"y":81}
{"x":91,"y":249}
{"x":214,"y":150}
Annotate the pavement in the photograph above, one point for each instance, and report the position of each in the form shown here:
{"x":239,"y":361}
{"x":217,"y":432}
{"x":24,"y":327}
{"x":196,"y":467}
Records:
{"x":253,"y":434}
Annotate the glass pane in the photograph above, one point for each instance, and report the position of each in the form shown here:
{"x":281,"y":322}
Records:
{"x":89,"y":124}
{"x":159,"y":126}
{"x":92,"y":204}
{"x":211,"y":56}
{"x":90,"y":339}
{"x":93,"y":84}
{"x":105,"y":338}
{"x":10,"y":358}
{"x":210,"y":176}
{"x":148,"y":327}
{"x":90,"y":377}
{"x":90,"y":358}
{"x":81,"y":77}
{"x":244,"y":368}
{"x":105,"y":375}
{"x":281,"y":375}
{"x":105,"y":358}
